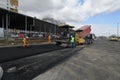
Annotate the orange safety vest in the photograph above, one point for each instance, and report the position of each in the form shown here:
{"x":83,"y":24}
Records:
{"x":49,"y":39}
{"x":25,"y":41}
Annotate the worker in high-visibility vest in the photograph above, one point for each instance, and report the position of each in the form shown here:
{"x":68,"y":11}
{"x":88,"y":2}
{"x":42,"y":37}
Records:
{"x":72,"y":42}
{"x":25,"y":41}
{"x":49,"y":39}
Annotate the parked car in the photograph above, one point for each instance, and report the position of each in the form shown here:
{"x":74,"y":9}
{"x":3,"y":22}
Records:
{"x":113,"y":39}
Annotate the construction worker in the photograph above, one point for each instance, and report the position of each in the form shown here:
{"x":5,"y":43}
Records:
{"x":72,"y":42}
{"x":25,"y":41}
{"x":49,"y":39}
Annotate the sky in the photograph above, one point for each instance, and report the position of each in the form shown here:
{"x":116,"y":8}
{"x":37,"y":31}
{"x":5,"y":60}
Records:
{"x":102,"y":15}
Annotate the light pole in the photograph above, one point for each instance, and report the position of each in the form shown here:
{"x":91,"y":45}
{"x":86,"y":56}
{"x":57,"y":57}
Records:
{"x":26,"y":25}
{"x":7,"y":20}
{"x":117,"y":29}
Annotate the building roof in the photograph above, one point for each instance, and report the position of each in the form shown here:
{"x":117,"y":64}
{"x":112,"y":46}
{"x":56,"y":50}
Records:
{"x":66,"y":26}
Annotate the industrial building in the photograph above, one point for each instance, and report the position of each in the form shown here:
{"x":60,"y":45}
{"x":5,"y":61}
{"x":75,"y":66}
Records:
{"x":12,"y":23}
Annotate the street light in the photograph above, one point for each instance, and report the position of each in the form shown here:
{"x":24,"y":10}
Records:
{"x":117,"y":29}
{"x":7,"y":20}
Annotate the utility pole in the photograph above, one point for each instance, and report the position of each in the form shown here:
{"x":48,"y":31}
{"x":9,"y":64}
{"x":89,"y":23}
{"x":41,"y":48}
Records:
{"x":26,"y":25}
{"x":117,"y":29}
{"x":7,"y":20}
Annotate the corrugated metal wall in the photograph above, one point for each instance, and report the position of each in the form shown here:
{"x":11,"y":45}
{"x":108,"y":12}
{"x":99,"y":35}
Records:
{"x":42,"y":26}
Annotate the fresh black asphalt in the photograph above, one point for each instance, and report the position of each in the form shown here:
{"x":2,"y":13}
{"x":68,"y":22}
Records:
{"x":29,"y":67}
{"x":12,"y":53}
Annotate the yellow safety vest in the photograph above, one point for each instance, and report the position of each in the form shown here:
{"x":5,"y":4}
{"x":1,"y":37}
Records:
{"x":72,"y":39}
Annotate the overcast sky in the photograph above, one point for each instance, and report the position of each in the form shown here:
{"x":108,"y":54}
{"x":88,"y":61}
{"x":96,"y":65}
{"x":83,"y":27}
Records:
{"x":100,"y":14}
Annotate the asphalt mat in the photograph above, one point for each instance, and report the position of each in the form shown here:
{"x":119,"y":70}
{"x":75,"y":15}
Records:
{"x":12,"y":53}
{"x":28,"y":68}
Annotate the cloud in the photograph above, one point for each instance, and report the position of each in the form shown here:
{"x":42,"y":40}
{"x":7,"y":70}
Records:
{"x":3,"y":4}
{"x":70,"y":11}
{"x":67,"y":10}
{"x":104,"y":30}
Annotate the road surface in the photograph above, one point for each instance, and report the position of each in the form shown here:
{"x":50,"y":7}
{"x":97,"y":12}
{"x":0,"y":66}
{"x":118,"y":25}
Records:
{"x":99,"y":61}
{"x":15,"y":52}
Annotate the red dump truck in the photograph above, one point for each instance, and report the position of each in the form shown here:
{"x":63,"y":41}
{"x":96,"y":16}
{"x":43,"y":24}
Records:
{"x":83,"y":35}
{"x":85,"y":30}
